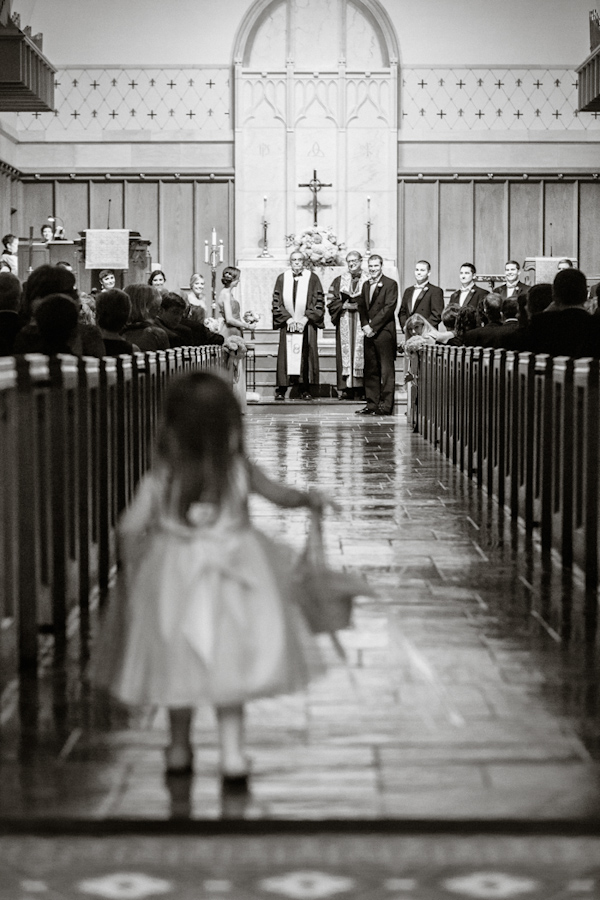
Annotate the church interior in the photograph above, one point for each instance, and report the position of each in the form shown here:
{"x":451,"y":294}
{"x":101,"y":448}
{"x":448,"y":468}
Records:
{"x":452,"y":747}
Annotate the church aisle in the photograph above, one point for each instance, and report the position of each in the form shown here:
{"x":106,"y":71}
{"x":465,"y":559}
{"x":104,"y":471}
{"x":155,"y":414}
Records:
{"x":469,"y":690}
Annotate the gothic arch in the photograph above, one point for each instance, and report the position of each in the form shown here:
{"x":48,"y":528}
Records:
{"x":372,"y":10}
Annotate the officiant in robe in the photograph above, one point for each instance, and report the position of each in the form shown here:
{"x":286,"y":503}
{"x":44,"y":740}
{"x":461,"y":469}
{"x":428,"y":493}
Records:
{"x":298,"y":313}
{"x":342,"y":303}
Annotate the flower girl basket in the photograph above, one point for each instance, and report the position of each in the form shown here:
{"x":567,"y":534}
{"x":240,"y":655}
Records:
{"x":324,"y":594}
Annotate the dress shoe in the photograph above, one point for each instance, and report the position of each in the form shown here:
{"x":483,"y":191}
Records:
{"x":306,"y":396}
{"x":366,"y":411}
{"x":280,"y":396}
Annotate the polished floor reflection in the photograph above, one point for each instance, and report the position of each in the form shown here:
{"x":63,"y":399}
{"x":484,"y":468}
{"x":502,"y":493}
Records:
{"x":470,"y":689}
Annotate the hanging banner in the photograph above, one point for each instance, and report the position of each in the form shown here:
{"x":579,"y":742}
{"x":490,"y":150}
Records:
{"x":107,"y":248}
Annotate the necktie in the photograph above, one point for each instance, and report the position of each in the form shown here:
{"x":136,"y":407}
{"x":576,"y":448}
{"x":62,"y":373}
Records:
{"x":295,"y":291}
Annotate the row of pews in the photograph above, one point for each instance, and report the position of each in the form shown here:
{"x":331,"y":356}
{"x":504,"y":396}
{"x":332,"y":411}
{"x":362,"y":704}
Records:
{"x":76,"y":435}
{"x":526,"y":429}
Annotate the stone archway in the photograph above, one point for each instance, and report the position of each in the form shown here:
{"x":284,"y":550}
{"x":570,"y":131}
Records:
{"x":316,"y":86}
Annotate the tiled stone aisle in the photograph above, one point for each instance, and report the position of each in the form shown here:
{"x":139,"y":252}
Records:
{"x":468,"y":692}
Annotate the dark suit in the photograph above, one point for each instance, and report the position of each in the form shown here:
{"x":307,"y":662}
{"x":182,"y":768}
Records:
{"x":429,"y":304}
{"x":521,"y":289}
{"x":562,"y":332}
{"x":380,"y":350}
{"x":494,"y":334}
{"x":473,"y":297}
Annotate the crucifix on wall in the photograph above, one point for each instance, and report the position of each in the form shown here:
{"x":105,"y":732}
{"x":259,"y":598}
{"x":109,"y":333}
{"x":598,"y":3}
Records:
{"x":314,"y":185}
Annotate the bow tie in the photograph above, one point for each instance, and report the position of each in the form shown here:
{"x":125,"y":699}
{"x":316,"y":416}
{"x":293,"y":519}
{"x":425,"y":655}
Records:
{"x":296,"y":277}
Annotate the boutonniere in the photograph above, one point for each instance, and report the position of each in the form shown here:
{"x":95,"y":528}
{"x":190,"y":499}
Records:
{"x":380,"y":284}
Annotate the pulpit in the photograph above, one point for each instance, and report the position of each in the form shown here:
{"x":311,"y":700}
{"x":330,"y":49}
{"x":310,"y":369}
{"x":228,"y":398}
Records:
{"x":138,"y":258}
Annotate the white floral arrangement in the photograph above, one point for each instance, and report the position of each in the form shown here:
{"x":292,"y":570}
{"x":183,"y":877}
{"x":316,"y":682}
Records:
{"x":251,"y":319}
{"x":213,"y":324}
{"x":235,"y":346}
{"x":319,"y":246}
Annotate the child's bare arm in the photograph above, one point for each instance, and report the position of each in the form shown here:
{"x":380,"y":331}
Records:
{"x":283,"y":494}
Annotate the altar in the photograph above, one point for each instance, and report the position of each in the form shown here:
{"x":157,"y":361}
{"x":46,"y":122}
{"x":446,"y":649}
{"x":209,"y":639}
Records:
{"x":255,"y":290}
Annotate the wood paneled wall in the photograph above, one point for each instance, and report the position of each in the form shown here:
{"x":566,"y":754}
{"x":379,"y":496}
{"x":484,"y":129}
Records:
{"x":450,"y":222}
{"x":177,"y":216}
{"x":8,"y":193}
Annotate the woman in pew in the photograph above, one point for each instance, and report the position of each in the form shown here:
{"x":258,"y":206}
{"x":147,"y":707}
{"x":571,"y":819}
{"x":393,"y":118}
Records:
{"x":142,"y":328}
{"x":113,"y":311}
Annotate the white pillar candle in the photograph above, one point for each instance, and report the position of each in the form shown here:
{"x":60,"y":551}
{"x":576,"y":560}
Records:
{"x":205,"y":251}
{"x":264,"y":207}
{"x":221,"y":251}
{"x":368,"y":208}
{"x":214,"y":237}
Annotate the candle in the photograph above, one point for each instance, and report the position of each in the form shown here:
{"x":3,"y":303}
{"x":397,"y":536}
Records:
{"x":214,"y":237}
{"x":221,"y":251}
{"x":265,"y":207}
{"x":368,"y":207}
{"x":205,"y":251}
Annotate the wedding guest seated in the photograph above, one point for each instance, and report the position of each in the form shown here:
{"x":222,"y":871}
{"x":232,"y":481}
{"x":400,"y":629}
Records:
{"x":484,"y":335}
{"x":466,"y":320}
{"x":44,"y":281}
{"x":170,"y":315}
{"x":113,"y":310}
{"x":565,"y":329}
{"x":57,"y":321}
{"x":142,"y":328}
{"x":448,"y":323}
{"x":10,"y":320}
{"x":539,"y":299}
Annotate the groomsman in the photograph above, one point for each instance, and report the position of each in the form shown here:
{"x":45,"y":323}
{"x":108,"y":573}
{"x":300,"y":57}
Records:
{"x":513,"y":287}
{"x":468,"y":294}
{"x":422,"y":297}
{"x":377,"y":311}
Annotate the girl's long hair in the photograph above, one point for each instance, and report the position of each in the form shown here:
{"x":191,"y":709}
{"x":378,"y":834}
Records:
{"x":200,"y":439}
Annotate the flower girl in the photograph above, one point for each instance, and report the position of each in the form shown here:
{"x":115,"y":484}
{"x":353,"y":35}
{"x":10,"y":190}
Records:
{"x":202,"y":611}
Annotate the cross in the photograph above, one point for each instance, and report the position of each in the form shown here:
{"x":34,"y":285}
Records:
{"x":151,"y":113}
{"x":172,"y":83}
{"x":37,"y":115}
{"x":441,"y":114}
{"x":461,"y":112}
{"x":152,"y":82}
{"x":190,"y":115}
{"x":422,"y":83}
{"x":210,"y":112}
{"x":94,"y":113}
{"x":210,"y":83}
{"x":518,"y":114}
{"x":133,"y":84}
{"x":519,"y":82}
{"x":556,"y":114}
{"x":114,"y":82}
{"x":557,"y":82}
{"x":95,"y":84}
{"x":480,"y":114}
{"x":480,"y":82}
{"x":314,"y":185}
{"x":75,"y":114}
{"x":441,"y":82}
{"x":460,"y":83}
{"x":575,"y":84}
{"x":113,"y":114}
{"x":56,"y":83}
{"x":171,"y":112}
{"x":538,"y":112}
{"x":132,"y":112}
{"x":538,"y":84}
{"x":191,"y":82}
{"x":421,"y":112}
{"x":499,"y":84}
{"x":498,"y":112}
{"x":75,"y":82}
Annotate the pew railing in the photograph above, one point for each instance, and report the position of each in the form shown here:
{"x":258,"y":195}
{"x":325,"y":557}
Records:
{"x":526,"y":429}
{"x":77,"y":435}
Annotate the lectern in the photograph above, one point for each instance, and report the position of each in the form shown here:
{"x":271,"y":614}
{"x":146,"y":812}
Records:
{"x":544,"y":268}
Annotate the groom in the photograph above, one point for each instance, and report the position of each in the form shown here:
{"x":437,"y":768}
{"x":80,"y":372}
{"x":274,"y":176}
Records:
{"x":377,"y":309}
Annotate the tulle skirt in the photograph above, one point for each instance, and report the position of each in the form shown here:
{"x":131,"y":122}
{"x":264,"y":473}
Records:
{"x":208,"y":618}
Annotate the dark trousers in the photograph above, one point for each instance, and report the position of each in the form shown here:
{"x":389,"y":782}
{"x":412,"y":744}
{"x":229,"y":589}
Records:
{"x":380,"y":373}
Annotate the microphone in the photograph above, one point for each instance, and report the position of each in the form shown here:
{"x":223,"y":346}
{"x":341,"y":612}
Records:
{"x":108,"y":216}
{"x":550,"y":224}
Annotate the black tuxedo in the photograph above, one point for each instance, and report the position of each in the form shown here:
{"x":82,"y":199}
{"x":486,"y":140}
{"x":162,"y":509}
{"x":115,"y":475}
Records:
{"x":521,"y":289}
{"x":380,"y":350}
{"x":430,"y":305}
{"x":473,"y":297}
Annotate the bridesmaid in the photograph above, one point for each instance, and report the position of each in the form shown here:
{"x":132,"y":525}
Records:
{"x":229,"y":309}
